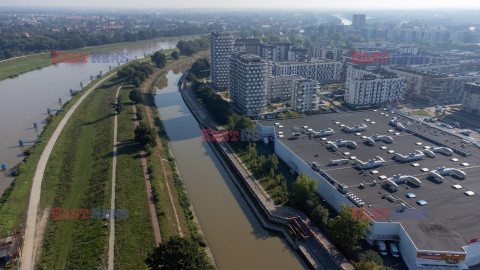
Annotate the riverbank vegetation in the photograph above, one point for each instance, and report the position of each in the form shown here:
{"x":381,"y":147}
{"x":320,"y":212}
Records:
{"x":13,"y":67}
{"x":179,"y":253}
{"x":78,"y":176}
{"x":134,"y":238}
{"x":215,"y":104}
{"x":190,"y":47}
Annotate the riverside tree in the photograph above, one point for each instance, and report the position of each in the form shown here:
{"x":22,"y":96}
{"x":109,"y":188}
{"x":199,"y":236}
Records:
{"x":159,"y":59}
{"x":178,"y":253}
{"x":175,"y":55}
{"x":145,"y":135}
{"x":346,"y":231}
{"x":303,"y":190}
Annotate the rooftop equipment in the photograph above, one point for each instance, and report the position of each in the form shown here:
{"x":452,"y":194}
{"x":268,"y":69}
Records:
{"x":321,"y":133}
{"x":338,"y":162}
{"x":373,"y":163}
{"x":375,"y":138}
{"x":416,"y":155}
{"x":450,"y":171}
{"x":357,"y":128}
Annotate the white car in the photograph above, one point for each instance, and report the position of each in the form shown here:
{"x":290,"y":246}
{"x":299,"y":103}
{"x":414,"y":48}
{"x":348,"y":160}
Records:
{"x":382,"y":248}
{"x":394,"y":250}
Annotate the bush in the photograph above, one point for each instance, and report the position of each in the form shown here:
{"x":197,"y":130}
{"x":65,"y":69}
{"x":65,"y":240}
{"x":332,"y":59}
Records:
{"x":27,"y":151}
{"x":17,"y":169}
{"x":175,"y":55}
{"x":148,"y":150}
{"x":50,"y":118}
{"x":371,"y":256}
{"x":145,"y":135}
{"x":136,"y":96}
{"x":139,"y":115}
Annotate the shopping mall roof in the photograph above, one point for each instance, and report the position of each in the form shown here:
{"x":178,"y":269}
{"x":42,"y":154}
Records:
{"x":452,"y":215}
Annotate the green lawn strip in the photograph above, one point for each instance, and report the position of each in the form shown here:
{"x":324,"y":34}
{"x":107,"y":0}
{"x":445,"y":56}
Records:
{"x":134,"y":237}
{"x":419,"y":112}
{"x":13,"y":211}
{"x":15,"y":67}
{"x":79,"y":176}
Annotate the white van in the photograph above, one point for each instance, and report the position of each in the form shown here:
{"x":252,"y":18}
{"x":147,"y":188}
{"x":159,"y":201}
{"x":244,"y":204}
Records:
{"x":394,"y":250}
{"x":382,"y":247}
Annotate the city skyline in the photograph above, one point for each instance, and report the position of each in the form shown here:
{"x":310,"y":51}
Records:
{"x":250,"y":4}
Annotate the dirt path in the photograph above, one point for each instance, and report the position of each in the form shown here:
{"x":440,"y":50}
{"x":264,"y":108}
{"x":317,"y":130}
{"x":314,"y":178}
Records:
{"x":170,"y":195}
{"x":111,"y":239}
{"x":30,"y":231}
{"x":151,"y":202}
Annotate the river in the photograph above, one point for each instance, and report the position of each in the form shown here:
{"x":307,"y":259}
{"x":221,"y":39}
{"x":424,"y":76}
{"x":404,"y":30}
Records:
{"x":235,"y":236}
{"x":24,"y":100}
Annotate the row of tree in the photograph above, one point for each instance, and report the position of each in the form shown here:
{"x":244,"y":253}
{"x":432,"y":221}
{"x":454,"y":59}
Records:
{"x":215,"y":104}
{"x":16,"y":44}
{"x":135,"y":73}
{"x":189,"y":47}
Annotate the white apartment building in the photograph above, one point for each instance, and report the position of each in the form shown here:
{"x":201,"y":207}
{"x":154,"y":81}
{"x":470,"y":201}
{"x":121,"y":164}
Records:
{"x":248,"y":83}
{"x":324,"y":72}
{"x":305,"y":95}
{"x":366,"y":89}
{"x":221,"y":47}
{"x":280,"y":88}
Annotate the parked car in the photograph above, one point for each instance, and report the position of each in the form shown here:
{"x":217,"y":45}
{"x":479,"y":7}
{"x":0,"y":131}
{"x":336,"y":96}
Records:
{"x":394,"y":250}
{"x":382,"y":247}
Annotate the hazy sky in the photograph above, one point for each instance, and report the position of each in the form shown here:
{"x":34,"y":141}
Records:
{"x":248,"y":4}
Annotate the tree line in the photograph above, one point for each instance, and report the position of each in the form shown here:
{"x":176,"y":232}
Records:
{"x":189,"y":47}
{"x":17,"y":44}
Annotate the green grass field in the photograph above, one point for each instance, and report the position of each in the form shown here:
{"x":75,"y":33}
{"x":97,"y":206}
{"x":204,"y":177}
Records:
{"x":78,"y":175}
{"x":134,"y":237}
{"x":419,"y":112}
{"x":15,"y":67}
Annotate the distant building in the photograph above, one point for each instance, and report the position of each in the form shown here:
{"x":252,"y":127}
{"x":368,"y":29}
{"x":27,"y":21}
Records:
{"x":275,"y":51}
{"x":251,"y":44}
{"x":435,"y":87}
{"x":248,"y":83}
{"x":297,"y":54}
{"x":471,"y":98}
{"x":322,"y":51}
{"x":367,"y":89}
{"x":358,"y":21}
{"x":321,"y":71}
{"x":221,"y":47}
{"x":238,"y":47}
{"x":305,"y":95}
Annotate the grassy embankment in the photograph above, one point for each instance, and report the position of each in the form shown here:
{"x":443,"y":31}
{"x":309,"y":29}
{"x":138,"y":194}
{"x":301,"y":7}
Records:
{"x":78,"y":175}
{"x":15,"y":198}
{"x":134,"y":237}
{"x":15,"y":67}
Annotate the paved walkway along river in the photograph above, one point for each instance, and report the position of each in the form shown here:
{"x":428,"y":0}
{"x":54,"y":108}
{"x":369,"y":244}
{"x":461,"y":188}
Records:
{"x":28,"y":247}
{"x":111,"y":240}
